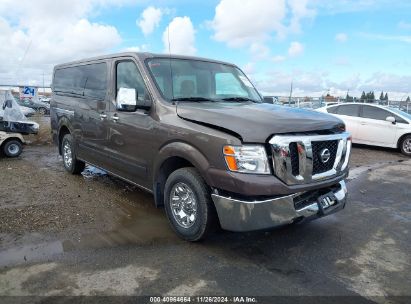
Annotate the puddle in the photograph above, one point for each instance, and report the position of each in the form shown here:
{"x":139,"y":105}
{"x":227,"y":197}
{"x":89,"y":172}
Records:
{"x":27,"y":253}
{"x":141,"y":225}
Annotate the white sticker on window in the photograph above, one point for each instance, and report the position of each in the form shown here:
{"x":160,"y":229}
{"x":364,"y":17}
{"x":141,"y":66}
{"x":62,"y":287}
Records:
{"x":245,"y":81}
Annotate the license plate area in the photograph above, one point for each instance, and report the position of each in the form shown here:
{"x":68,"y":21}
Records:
{"x":326,"y":203}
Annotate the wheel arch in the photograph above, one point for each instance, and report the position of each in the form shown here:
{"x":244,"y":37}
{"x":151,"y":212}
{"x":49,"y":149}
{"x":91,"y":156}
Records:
{"x":172,"y":157}
{"x":9,"y":139}
{"x":63,"y":130}
{"x":401,"y":138}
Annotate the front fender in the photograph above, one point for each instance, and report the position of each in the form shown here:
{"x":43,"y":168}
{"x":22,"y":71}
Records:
{"x":185,"y":151}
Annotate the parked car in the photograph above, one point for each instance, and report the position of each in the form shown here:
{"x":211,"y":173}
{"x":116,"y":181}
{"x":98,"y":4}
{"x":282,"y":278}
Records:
{"x":45,"y":99}
{"x":39,"y":106}
{"x":375,"y":125}
{"x":28,"y":112}
{"x":196,"y":133}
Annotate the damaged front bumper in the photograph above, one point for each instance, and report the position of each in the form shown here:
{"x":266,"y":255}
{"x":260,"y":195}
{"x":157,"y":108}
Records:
{"x":243,"y":215}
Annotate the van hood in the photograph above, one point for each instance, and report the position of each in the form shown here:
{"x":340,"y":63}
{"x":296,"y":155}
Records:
{"x":256,"y":122}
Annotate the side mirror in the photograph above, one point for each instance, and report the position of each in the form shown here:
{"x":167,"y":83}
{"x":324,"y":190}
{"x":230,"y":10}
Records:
{"x":126,"y":99}
{"x":391,"y":119}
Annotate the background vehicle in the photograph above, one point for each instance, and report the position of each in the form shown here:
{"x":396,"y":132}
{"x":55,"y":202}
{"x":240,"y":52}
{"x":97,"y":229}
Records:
{"x":375,"y":125}
{"x":28,"y":112}
{"x":39,"y":106}
{"x":11,"y":144}
{"x":196,"y":133}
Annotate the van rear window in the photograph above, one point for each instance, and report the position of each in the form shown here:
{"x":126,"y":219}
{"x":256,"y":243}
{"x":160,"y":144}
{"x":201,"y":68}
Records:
{"x":85,"y":80}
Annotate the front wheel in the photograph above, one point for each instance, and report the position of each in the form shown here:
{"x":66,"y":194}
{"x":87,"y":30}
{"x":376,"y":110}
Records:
{"x":12,"y":148}
{"x":71,"y":163}
{"x":188,"y":205}
{"x":405,"y":145}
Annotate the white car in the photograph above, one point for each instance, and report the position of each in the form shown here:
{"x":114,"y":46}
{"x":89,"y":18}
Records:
{"x":375,"y":125}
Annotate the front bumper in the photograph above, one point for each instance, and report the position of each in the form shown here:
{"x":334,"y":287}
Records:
{"x":242,"y":215}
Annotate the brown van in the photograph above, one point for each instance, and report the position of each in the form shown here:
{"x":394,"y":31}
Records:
{"x":196,"y":133}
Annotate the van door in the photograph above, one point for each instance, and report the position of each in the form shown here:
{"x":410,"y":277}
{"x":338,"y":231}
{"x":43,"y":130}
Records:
{"x":90,"y":113}
{"x":130,"y":138}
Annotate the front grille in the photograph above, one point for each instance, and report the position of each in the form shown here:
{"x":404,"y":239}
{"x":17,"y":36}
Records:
{"x":300,"y":159}
{"x":295,"y":163}
{"x":318,"y":146}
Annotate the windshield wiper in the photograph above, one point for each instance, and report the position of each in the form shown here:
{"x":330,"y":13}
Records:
{"x":195,"y":99}
{"x":239,"y":99}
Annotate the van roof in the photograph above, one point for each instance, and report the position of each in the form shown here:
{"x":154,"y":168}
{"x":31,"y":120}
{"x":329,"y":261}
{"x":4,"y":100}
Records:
{"x":141,"y":56}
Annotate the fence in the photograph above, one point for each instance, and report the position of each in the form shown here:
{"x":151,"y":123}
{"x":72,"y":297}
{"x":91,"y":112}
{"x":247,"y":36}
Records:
{"x":318,"y":102}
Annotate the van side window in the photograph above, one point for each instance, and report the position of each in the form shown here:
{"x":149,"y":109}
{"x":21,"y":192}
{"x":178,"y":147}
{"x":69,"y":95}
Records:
{"x":129,"y":77}
{"x":95,"y":80}
{"x":84,"y":81}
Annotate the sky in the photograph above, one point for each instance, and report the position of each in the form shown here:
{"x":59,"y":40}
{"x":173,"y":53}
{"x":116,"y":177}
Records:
{"x":320,"y":46}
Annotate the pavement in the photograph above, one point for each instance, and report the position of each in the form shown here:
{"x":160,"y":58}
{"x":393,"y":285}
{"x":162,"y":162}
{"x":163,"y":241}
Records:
{"x":63,"y":235}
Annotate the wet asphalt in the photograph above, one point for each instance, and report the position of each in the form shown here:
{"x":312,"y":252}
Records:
{"x":94,"y":235}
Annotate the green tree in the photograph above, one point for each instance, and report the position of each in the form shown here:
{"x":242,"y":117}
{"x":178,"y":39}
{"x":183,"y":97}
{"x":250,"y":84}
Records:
{"x":386,"y":97}
{"x":382,"y":95}
{"x":408,"y":99}
{"x":363,"y":97}
{"x":372,"y":96}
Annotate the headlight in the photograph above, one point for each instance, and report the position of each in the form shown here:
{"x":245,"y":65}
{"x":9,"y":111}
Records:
{"x":247,"y":159}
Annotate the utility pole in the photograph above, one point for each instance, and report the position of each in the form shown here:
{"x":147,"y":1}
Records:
{"x":44,"y":89}
{"x":291,"y":93}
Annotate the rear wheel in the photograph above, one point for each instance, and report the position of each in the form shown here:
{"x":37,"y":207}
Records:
{"x":71,"y":163}
{"x":405,"y":145}
{"x":12,"y":148}
{"x":188,"y":205}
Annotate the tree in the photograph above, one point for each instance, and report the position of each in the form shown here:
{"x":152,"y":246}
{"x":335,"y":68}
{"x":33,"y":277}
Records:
{"x":408,"y":99}
{"x":386,"y":97}
{"x":382,"y":95}
{"x":370,"y":96}
{"x":363,"y":97}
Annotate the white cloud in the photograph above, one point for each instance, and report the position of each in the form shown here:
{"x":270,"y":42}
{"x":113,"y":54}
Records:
{"x":317,"y":83}
{"x":300,"y":10}
{"x":404,"y":25}
{"x":295,"y":49}
{"x":342,"y":61}
{"x":250,"y":21}
{"x":47,"y":32}
{"x":136,"y":48}
{"x":180,"y":34}
{"x":278,"y":58}
{"x":259,"y":50}
{"x":341,"y":37}
{"x":255,"y":21}
{"x":399,"y":38}
{"x":249,"y":68}
{"x":149,"y":19}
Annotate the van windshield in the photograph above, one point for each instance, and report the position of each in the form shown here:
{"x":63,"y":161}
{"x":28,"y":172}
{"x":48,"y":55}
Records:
{"x":196,"y":81}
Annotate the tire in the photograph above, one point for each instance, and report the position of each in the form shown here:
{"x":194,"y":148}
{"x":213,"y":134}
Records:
{"x":12,"y":148}
{"x":405,"y":145}
{"x":42,"y":111}
{"x":70,"y":162}
{"x":182,"y":184}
